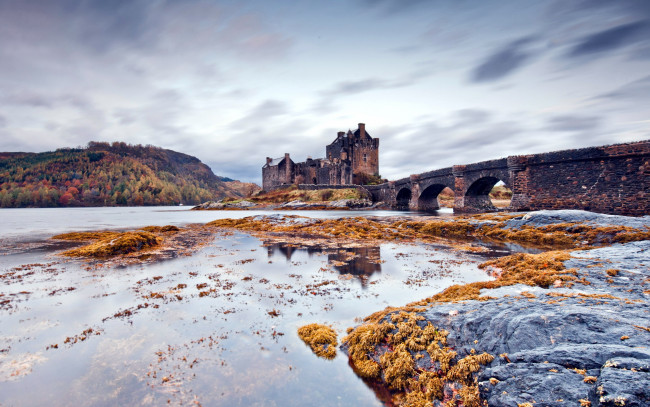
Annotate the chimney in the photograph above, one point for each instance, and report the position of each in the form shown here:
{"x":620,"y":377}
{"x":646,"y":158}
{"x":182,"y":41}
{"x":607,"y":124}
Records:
{"x":340,"y":134}
{"x":287,"y":169}
{"x":269,"y":160}
{"x":362,"y":130}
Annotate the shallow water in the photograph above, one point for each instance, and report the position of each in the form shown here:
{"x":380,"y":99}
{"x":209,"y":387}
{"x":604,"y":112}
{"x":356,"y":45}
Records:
{"x":216,"y":328}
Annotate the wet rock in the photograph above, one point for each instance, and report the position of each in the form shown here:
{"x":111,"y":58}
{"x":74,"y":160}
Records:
{"x":294,"y":204}
{"x":209,"y":205}
{"x":223,"y":205}
{"x":358,"y":203}
{"x":624,"y":382}
{"x":548,"y":217}
{"x":561,"y":346}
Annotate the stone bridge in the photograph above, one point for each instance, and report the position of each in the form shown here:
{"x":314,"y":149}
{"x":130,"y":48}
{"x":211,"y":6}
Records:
{"x":610,"y":179}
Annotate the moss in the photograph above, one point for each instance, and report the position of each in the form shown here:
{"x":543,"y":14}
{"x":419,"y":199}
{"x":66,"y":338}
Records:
{"x":113,"y":245}
{"x":320,"y":338}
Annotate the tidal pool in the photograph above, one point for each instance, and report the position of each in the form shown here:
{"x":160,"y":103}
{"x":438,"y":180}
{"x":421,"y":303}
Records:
{"x":217,"y":327}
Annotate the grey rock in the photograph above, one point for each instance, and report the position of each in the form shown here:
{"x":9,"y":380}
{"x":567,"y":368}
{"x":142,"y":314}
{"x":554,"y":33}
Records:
{"x":595,"y":327}
{"x":548,"y":217}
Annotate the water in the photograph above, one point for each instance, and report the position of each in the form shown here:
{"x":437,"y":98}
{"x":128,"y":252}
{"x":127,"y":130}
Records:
{"x":215,"y":328}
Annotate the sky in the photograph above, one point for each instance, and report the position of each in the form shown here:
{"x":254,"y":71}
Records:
{"x":440,"y":82}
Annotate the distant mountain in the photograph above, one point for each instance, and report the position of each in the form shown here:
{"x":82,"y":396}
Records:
{"x":104,"y":174}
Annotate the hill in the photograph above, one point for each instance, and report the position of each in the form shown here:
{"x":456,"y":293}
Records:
{"x":104,"y":174}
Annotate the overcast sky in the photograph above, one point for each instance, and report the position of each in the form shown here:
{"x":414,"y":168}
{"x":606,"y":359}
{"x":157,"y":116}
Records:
{"x":440,"y":82}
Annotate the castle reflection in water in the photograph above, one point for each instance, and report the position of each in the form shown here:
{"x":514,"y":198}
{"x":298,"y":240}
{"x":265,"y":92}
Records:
{"x":361,"y":262}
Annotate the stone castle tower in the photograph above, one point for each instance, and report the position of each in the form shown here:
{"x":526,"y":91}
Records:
{"x":350,"y":158}
{"x":358,"y":150}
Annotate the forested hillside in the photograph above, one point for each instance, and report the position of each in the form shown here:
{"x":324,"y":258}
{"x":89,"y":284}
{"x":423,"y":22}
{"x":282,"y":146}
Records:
{"x":104,"y":174}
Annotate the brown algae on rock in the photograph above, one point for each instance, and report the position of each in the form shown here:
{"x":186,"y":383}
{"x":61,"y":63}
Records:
{"x":320,"y":338}
{"x":403,"y":338}
{"x":113,"y":244}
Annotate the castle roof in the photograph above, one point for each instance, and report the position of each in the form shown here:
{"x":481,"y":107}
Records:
{"x":356,"y":133}
{"x":276,"y":161}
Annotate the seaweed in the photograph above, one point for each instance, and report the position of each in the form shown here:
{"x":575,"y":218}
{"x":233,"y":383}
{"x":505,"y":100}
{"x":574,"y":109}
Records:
{"x":405,"y":341}
{"x":320,"y":338}
{"x":112,"y":245}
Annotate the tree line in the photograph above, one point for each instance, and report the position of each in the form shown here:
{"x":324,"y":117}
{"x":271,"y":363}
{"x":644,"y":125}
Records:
{"x":106,"y":174}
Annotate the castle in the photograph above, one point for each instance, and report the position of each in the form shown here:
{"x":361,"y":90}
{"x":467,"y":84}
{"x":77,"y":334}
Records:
{"x":351,"y":159}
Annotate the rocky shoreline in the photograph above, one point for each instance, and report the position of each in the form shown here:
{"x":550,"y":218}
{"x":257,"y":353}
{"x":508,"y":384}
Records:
{"x":584,"y":340}
{"x":564,"y":327}
{"x":341,"y":204}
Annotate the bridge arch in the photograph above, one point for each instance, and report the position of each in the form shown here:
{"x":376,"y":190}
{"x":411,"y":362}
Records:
{"x":477,"y":195}
{"x":428,"y":199}
{"x":403,"y":199}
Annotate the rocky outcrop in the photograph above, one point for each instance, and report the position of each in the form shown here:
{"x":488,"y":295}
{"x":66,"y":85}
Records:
{"x":583,"y":342}
{"x":342,"y":204}
{"x":211,"y":205}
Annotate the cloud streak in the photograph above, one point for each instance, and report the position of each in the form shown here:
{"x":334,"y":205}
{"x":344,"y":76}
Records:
{"x":611,"y":39}
{"x":503,"y":62}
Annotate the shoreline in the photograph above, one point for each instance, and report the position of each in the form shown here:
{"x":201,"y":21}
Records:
{"x":544,"y":320}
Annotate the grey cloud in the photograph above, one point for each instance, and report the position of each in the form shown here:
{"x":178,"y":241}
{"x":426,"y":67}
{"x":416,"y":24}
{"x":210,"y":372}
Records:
{"x":394,"y":6}
{"x":259,"y":140}
{"x":124,"y":116}
{"x":371,"y":84}
{"x":353,"y":87}
{"x":611,"y":39}
{"x":262,"y":112}
{"x":430,"y":145}
{"x":47,"y":101}
{"x":346,"y":88}
{"x":503,"y":62}
{"x":3,"y":121}
{"x":472,"y":116}
{"x":573,"y":123}
{"x":638,"y":90}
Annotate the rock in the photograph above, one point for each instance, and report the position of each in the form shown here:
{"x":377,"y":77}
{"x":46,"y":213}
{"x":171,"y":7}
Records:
{"x":548,"y":217}
{"x":359,"y":203}
{"x":294,"y":204}
{"x":552,"y":339}
{"x":341,"y":203}
{"x":222,"y":205}
{"x":209,"y":205}
{"x":243,"y":204}
{"x":624,"y":382}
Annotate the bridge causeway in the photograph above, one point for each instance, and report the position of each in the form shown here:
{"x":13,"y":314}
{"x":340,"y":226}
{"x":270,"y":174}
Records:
{"x":610,"y":179}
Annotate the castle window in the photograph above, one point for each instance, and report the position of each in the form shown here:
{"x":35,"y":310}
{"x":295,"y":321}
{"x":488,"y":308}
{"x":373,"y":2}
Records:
{"x":365,"y":158}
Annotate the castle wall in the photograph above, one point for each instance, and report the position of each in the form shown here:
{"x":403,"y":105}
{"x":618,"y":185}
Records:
{"x":279,"y":174}
{"x":365,"y":157}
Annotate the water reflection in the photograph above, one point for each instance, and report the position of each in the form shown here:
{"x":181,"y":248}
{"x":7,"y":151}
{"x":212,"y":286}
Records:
{"x":360,"y":262}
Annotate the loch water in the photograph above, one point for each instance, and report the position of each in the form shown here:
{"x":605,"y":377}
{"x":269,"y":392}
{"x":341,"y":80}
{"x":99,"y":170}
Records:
{"x":214,"y":328}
